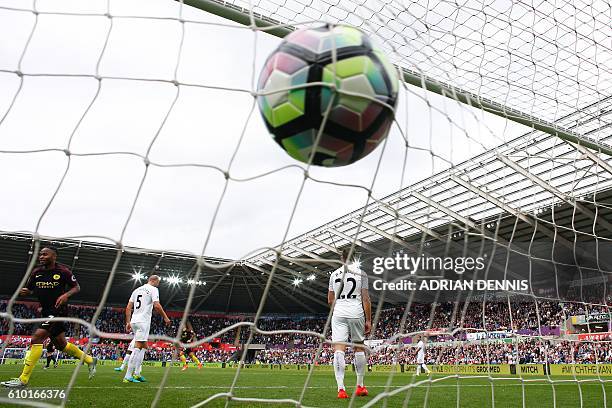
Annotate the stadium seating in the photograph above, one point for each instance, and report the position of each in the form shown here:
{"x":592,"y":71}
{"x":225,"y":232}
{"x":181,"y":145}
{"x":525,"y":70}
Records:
{"x":295,"y":348}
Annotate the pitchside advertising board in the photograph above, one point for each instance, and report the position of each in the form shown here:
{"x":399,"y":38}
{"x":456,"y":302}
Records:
{"x":581,"y":369}
{"x":529,"y":369}
{"x":471,"y":369}
{"x":595,"y":336}
{"x":591,"y":318}
{"x":518,"y":370}
{"x":488,"y":335}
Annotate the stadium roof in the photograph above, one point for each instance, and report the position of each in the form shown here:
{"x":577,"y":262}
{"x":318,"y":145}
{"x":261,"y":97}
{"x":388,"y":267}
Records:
{"x":523,"y":179}
{"x":535,"y":189}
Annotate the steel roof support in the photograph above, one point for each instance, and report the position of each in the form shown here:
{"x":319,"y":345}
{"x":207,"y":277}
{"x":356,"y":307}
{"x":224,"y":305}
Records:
{"x":229,"y":296}
{"x":592,"y":156}
{"x":566,"y":198}
{"x":323,"y":244}
{"x":454,"y":243}
{"x":210,"y":292}
{"x":453,"y":214}
{"x":518,"y":214}
{"x":305,"y":289}
{"x":357,"y":241}
{"x":465,"y":220}
{"x":385,"y":234}
{"x":312,"y":255}
{"x":246,"y":285}
{"x":413,"y":224}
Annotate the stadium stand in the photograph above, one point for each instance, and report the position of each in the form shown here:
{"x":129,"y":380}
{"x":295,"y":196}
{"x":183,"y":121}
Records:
{"x":450,"y":348}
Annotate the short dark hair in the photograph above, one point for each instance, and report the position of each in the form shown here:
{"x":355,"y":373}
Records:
{"x":51,"y":248}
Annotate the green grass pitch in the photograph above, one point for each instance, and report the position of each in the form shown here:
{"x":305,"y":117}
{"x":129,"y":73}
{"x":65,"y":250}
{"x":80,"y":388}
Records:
{"x":184,"y":389}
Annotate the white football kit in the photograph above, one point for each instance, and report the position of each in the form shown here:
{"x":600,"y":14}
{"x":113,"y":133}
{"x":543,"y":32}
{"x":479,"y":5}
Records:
{"x":348,"y":319}
{"x":420,"y":352}
{"x":421,"y":358}
{"x":143,"y":298}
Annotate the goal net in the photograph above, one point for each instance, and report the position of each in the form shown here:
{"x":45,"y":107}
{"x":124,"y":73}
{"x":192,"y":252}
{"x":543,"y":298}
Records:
{"x":483,"y":221}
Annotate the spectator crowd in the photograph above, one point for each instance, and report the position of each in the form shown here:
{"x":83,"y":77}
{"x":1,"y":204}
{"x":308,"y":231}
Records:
{"x":396,"y":324}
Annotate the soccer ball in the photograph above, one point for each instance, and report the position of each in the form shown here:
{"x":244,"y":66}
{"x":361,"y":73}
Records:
{"x":293,"y":102}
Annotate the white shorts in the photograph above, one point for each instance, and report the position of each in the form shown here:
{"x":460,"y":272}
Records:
{"x":131,"y":346}
{"x":141,"y":331}
{"x":420,"y":361}
{"x":344,"y":328}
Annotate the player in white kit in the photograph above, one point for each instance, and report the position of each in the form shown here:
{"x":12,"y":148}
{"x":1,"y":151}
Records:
{"x":421,"y":356}
{"x":351,"y":318}
{"x":142,"y":302}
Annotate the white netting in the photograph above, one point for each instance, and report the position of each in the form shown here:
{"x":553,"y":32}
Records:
{"x":151,"y":105}
{"x":545,"y":59}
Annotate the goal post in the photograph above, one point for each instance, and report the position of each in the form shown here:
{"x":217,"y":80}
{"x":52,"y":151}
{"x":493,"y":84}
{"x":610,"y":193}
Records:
{"x":17,"y":353}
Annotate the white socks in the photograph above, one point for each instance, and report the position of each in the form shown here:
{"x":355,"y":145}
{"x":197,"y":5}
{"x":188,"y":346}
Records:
{"x":360,"y":366}
{"x":135,"y":363}
{"x":418,"y":371}
{"x":339,"y":365}
{"x":126,"y":360}
{"x":140,"y":360}
{"x":132,"y":363}
{"x":138,"y":369}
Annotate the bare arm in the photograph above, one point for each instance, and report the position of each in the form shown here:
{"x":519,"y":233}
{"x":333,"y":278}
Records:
{"x":69,"y":280}
{"x":367,"y":308}
{"x":64,"y":297}
{"x":158,"y":307}
{"x":29,"y":287}
{"x":331,"y":297}
{"x":75,"y":289}
{"x":128,"y":316}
